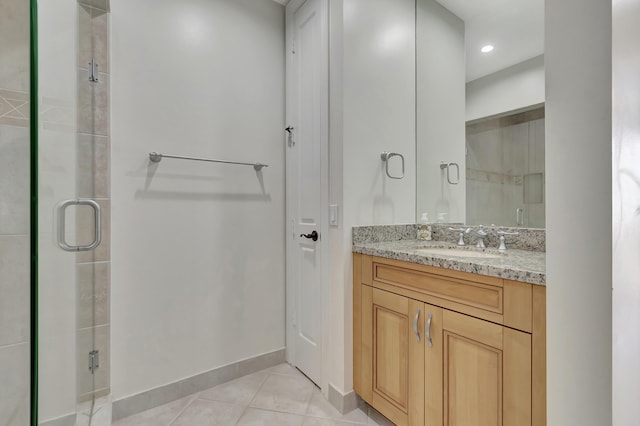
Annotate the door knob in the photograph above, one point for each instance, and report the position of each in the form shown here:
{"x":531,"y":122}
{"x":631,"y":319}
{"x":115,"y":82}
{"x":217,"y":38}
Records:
{"x":312,"y":236}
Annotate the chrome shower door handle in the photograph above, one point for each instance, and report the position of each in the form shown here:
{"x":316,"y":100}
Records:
{"x":415,"y":325}
{"x":427,"y":330}
{"x":62,"y":224}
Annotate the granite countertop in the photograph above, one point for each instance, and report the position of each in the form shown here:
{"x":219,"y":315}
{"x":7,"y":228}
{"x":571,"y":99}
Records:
{"x":518,"y":265}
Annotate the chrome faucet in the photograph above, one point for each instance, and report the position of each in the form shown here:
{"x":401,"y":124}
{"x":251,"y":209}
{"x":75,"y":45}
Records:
{"x":460,"y":235}
{"x":503,"y":246}
{"x":480,"y":235}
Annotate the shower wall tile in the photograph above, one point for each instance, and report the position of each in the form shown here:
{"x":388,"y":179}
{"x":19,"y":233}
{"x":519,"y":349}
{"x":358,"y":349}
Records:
{"x":85,"y":232}
{"x":14,"y":45}
{"x":14,"y":388}
{"x":57,"y":115}
{"x":14,"y":213}
{"x":93,"y":166}
{"x":14,"y":180}
{"x":14,"y":96}
{"x":93,"y":284}
{"x":88,"y":339}
{"x":93,"y":294}
{"x":85,"y":43}
{"x":5,"y":107}
{"x":12,"y":121}
{"x":14,"y":289}
{"x":93,"y":104}
{"x":100,"y":38}
{"x":93,"y":42}
{"x":99,"y":4}
{"x":537,"y":150}
{"x":498,"y":162}
{"x":14,"y":108}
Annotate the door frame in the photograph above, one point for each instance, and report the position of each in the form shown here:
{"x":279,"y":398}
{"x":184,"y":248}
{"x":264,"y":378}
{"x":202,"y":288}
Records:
{"x":291,"y":238}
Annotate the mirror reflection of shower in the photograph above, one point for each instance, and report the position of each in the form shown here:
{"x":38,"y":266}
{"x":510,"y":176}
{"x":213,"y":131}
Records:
{"x":505,"y":169}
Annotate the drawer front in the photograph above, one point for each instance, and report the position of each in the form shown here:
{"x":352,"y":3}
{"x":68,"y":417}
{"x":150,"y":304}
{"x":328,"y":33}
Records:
{"x":473,"y":294}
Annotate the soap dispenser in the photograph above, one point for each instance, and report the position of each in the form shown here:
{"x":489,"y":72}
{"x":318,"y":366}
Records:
{"x":424,"y":229}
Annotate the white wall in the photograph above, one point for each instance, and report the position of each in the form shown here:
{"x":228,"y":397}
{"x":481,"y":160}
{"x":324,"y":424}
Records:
{"x":626,"y":227}
{"x":516,"y":87}
{"x":578,"y":164}
{"x":338,"y":351}
{"x":378,"y":99}
{"x":198,"y":248}
{"x":440,"y":110}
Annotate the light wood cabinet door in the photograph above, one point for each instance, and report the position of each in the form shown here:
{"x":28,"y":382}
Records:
{"x":433,"y":380}
{"x":398,"y":357}
{"x":486,"y":373}
{"x":420,"y":363}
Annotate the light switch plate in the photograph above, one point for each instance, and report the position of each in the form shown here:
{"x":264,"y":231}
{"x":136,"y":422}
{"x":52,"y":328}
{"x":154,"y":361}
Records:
{"x":333,"y":215}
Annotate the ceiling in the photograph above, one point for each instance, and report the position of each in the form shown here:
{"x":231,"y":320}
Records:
{"x":514,"y":27}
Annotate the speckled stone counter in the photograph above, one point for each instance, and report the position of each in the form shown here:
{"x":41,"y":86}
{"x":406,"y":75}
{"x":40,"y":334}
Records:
{"x":517,"y":265}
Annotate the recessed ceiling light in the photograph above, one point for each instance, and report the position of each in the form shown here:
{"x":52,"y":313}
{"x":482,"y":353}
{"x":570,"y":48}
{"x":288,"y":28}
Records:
{"x":486,"y":49}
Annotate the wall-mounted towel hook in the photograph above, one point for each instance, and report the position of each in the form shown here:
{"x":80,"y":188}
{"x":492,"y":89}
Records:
{"x":385,"y":156}
{"x":448,"y":166}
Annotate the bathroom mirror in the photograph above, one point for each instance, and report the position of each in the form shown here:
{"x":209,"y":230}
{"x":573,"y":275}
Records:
{"x":480,"y":111}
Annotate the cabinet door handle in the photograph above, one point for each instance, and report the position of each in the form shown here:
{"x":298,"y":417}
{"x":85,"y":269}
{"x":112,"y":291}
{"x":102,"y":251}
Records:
{"x":415,"y":325}
{"x":427,"y":330}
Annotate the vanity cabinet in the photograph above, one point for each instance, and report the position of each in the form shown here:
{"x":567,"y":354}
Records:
{"x":440,"y":347}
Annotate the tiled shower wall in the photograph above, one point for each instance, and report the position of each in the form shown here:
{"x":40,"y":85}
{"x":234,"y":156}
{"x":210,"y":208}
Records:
{"x":14,"y":212}
{"x":93,"y":177}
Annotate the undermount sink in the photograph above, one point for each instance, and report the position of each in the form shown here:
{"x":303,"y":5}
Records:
{"x":459,"y":253}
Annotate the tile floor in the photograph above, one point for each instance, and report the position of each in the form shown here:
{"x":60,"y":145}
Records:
{"x":277,"y":396}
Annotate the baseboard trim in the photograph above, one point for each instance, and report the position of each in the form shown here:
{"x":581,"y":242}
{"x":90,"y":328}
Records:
{"x":69,"y":420}
{"x":344,"y":403}
{"x":152,"y":398}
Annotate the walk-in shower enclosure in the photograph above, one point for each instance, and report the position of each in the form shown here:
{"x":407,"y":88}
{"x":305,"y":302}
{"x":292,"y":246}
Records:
{"x":54,"y":211}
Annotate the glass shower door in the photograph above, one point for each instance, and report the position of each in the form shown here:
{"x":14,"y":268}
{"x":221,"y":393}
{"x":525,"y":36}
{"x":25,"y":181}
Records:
{"x":70,"y":363}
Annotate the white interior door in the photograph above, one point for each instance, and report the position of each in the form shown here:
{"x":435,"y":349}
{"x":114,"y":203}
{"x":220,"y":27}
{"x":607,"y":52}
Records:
{"x":307,"y":182}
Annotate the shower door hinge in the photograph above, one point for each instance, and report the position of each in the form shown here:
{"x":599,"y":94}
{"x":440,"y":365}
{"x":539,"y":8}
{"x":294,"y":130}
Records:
{"x":93,"y":71}
{"x":94,"y":361}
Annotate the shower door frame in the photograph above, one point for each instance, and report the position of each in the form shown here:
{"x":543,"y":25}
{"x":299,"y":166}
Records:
{"x":33,"y":211}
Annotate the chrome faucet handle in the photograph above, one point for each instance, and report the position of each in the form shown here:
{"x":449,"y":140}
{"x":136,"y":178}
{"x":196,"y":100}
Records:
{"x":480,"y":234}
{"x":503,"y":245}
{"x":460,"y":235}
